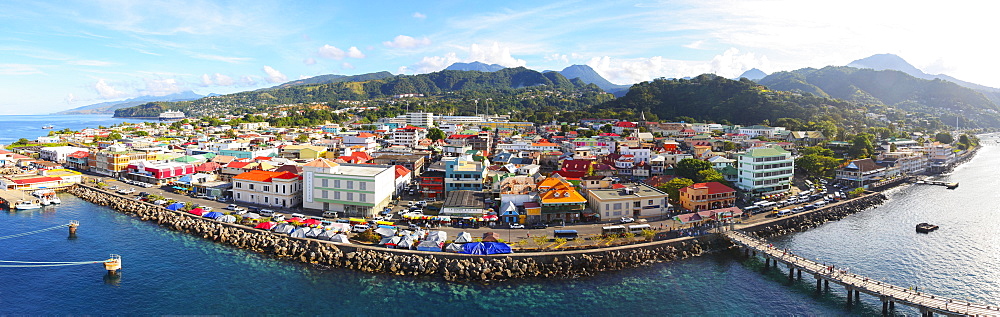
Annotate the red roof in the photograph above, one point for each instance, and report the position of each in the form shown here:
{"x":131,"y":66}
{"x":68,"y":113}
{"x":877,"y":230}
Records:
{"x":34,"y":180}
{"x":264,"y":176}
{"x":462,"y":136}
{"x":365,"y":135}
{"x":625,"y":124}
{"x":713,"y":188}
{"x":401,"y":171}
{"x":79,"y":154}
{"x":411,"y":128}
{"x":237,"y":164}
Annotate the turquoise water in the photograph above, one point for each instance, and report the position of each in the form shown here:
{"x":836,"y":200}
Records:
{"x":30,"y":126}
{"x":166,"y":272}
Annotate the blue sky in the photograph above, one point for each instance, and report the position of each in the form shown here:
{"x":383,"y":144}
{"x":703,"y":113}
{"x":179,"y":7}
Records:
{"x":56,"y":55}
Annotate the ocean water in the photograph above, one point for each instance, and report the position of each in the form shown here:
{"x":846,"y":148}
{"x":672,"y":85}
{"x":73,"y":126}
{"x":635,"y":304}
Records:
{"x":30,"y":126}
{"x":167,"y":272}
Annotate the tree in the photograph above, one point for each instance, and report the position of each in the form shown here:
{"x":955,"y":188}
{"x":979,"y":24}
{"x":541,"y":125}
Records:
{"x":818,"y":150}
{"x":689,"y":168}
{"x":817,"y":165}
{"x":673,"y":187}
{"x":944,"y":137}
{"x":302,"y":138}
{"x":711,"y":175}
{"x":729,"y":146}
{"x":606,"y":128}
{"x":435,"y":134}
{"x":114,"y":136}
{"x":863,"y":146}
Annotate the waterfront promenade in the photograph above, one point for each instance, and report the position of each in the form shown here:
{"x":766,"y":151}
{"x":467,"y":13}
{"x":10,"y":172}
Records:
{"x":889,"y":294}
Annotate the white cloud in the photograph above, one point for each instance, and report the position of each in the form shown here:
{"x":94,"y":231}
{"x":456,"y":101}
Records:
{"x":729,"y":64}
{"x":403,"y":41}
{"x":106,"y":91}
{"x":248,"y":81}
{"x":309,"y":61}
{"x":354,"y":52}
{"x":419,"y":15}
{"x":70,"y":98}
{"x":494,"y":54}
{"x":161,"y":86}
{"x":346,"y":65}
{"x":227,"y":59}
{"x":274,"y":76}
{"x":489,"y":54}
{"x":218,"y":80}
{"x":698,"y":45}
{"x":331,"y":52}
{"x":557,"y":58}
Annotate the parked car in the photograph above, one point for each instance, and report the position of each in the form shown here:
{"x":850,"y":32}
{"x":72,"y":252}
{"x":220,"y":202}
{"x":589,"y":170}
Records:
{"x":626,"y":220}
{"x":299,"y":215}
{"x":232,"y":207}
{"x":516,"y":226}
{"x":266,"y":212}
{"x":330,"y":214}
{"x":206,"y":208}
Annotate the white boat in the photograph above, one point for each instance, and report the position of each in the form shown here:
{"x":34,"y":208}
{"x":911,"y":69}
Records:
{"x":46,"y":197}
{"x":47,"y":127}
{"x":27,"y":204}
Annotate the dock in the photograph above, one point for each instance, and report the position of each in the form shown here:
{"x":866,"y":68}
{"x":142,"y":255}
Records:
{"x":855,"y":284}
{"x":939,"y":183}
{"x":10,"y":196}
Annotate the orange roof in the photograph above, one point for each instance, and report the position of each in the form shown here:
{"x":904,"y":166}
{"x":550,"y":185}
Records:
{"x":564,"y":195}
{"x":264,"y":176}
{"x":551,"y":182}
{"x":321,"y":162}
{"x":365,"y":135}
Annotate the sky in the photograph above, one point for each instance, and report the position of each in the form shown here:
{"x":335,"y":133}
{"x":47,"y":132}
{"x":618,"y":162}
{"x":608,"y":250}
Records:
{"x":57,"y":55}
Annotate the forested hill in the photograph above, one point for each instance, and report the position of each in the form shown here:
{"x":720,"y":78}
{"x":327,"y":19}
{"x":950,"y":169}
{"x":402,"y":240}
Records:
{"x":505,"y":81}
{"x":717,"y":99}
{"x":893,"y":88}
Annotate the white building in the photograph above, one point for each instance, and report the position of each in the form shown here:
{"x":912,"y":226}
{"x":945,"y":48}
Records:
{"x":58,"y":153}
{"x":408,"y":136}
{"x":367,"y":140}
{"x":638,"y":154}
{"x":420,"y":119}
{"x":765,"y":170}
{"x":759,"y":130}
{"x":358,"y":190}
{"x":278,"y":189}
{"x":635,"y":200}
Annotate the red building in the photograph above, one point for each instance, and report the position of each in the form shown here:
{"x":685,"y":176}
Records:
{"x":704,"y":196}
{"x":432,"y":184}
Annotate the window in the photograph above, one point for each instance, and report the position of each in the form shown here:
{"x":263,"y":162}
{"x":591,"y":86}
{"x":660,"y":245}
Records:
{"x":326,"y":182}
{"x":267,"y":188}
{"x":362,"y":185}
{"x":325,"y":194}
{"x":250,"y":186}
{"x":350,"y":196}
{"x":362,"y":197}
{"x":650,"y":202}
{"x":239,"y":185}
{"x":265,"y":199}
{"x":637,"y":204}
{"x":336,"y":183}
{"x":238,"y":196}
{"x":336,"y":195}
{"x":350,"y":184}
{"x":618,"y":206}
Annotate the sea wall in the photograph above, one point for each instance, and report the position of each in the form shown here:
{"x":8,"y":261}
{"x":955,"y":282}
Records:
{"x":449,"y":266}
{"x":811,"y":219}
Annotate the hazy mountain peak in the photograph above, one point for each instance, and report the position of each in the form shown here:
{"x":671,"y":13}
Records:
{"x":589,"y":75}
{"x":475,"y":66}
{"x":752,"y":74}
{"x":888,"y":61}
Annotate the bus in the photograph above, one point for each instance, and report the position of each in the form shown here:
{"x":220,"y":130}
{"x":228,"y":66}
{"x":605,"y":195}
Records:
{"x":567,"y":234}
{"x":609,"y":230}
{"x":637,"y":229}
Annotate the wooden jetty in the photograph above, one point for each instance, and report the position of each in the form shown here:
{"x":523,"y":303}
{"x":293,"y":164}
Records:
{"x":855,"y":284}
{"x":939,"y":183}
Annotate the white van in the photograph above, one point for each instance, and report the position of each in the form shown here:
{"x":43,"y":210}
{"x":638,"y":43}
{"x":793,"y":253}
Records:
{"x":330,"y":214}
{"x":359,"y":228}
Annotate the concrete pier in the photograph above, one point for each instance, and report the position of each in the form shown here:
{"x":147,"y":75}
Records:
{"x":928,"y":304}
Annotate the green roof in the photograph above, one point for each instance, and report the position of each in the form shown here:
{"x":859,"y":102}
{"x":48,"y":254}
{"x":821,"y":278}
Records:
{"x":772,"y":150}
{"x":186,"y":159}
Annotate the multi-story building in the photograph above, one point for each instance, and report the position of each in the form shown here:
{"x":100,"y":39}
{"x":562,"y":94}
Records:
{"x":860,"y":173}
{"x":765,"y":170}
{"x":305,"y":152}
{"x":57,"y":154}
{"x":359,"y":190}
{"x":158,"y":173}
{"x":408,"y":136}
{"x":464,"y":173}
{"x":367,"y":140}
{"x":906,"y":163}
{"x":279,"y":189}
{"x":113,"y":162}
{"x":420,"y":119}
{"x":559,"y":200}
{"x":414,"y":163}
{"x":432,"y":184}
{"x":631,"y":200}
{"x":705,"y":196}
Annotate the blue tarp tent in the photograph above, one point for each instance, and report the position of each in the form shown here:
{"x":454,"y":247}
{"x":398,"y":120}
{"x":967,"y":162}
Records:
{"x":212,"y":214}
{"x":175,"y":206}
{"x":484,"y":248}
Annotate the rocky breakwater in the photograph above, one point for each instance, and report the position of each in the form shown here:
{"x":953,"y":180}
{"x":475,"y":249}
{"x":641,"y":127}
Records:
{"x":451,"y":267}
{"x":812,"y":219}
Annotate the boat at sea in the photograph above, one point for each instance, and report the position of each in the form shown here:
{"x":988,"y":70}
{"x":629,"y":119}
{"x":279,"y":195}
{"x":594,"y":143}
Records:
{"x":46,"y":197}
{"x":27,"y":204}
{"x":924,"y":227}
{"x":48,"y":126}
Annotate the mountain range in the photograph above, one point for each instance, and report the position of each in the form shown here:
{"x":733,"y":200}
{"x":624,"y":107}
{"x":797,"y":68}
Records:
{"x":475,"y":66}
{"x":893,"y":62}
{"x":110,"y":106}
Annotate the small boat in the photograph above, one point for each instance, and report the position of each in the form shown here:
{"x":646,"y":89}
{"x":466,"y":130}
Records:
{"x":46,"y":196}
{"x":48,"y":126}
{"x":27,"y":204}
{"x":924,"y":227}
